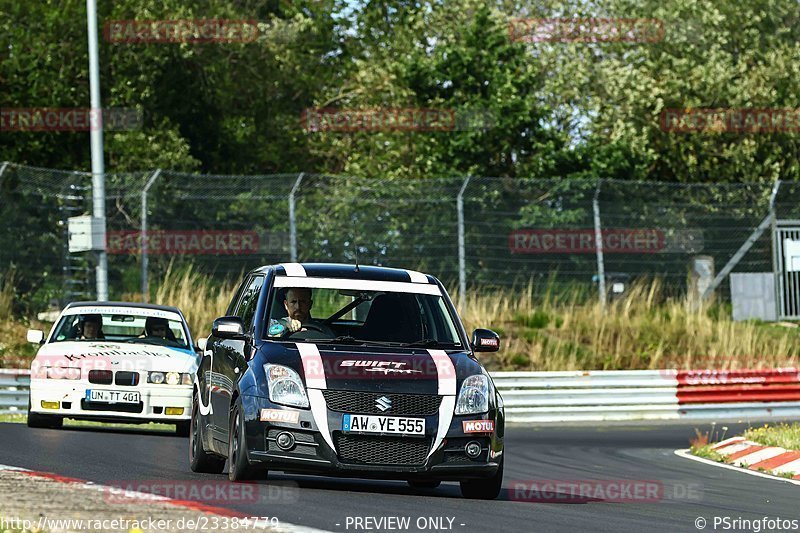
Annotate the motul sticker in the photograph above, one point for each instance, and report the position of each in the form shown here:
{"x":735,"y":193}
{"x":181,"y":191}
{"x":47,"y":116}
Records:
{"x":488,"y":342}
{"x":280,"y":415}
{"x":478,"y":426}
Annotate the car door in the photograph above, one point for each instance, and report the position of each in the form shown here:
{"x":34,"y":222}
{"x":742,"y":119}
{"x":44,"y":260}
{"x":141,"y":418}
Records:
{"x":229,"y":354}
{"x":213,"y":375}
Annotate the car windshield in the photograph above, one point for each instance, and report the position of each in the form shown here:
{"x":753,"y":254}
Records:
{"x":133,"y":327}
{"x":374,"y":317}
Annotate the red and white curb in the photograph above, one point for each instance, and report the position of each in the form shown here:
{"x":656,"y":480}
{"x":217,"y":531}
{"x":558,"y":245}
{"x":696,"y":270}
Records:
{"x":144,"y":497}
{"x":750,"y":457}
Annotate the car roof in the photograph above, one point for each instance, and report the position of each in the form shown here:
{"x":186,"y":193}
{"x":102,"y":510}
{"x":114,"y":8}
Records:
{"x":345,"y":271}
{"x":124,"y":304}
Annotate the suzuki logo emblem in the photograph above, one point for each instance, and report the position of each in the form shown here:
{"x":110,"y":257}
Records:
{"x":383,"y":403}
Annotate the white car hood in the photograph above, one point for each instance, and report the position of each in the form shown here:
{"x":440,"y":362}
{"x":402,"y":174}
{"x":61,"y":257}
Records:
{"x":104,"y":355}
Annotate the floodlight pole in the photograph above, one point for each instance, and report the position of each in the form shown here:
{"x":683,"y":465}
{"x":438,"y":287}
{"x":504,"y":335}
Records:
{"x":96,"y":141}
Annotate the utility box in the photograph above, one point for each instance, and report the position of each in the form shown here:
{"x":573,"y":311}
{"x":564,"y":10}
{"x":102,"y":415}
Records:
{"x":753,"y":296}
{"x":86,"y":234}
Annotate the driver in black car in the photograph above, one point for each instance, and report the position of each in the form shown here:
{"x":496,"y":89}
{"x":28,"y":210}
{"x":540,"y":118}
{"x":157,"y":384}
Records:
{"x":297,"y":303}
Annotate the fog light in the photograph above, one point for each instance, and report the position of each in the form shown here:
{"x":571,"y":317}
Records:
{"x":174,"y":411}
{"x":285,"y":441}
{"x":472,"y":449}
{"x":49,"y":405}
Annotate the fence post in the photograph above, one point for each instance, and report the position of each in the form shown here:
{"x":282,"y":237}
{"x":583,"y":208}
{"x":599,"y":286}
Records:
{"x":293,"y":220}
{"x":462,"y":252}
{"x":145,"y":259}
{"x":745,"y":247}
{"x":598,"y":242}
{"x":777,"y":261}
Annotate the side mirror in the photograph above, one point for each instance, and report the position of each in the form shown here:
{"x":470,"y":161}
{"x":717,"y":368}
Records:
{"x":35,"y":336}
{"x":228,"y":327}
{"x":485,"y":340}
{"x":201,"y":344}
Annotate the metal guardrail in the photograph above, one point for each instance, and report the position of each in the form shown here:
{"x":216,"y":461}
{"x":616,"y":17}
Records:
{"x":598,"y":396}
{"x":14,"y":386}
{"x":536,"y":397}
{"x":602,"y":395}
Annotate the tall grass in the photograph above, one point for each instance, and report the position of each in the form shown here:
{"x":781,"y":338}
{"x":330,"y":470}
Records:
{"x":199,"y":297}
{"x":7,"y":287}
{"x":644,"y":330}
{"x":565,"y":330}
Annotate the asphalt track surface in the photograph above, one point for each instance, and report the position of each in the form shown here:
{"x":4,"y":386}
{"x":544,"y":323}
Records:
{"x":644,"y":453}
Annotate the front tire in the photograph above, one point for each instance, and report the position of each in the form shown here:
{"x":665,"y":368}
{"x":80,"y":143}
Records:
{"x":239,"y":468}
{"x":483,"y":489}
{"x":35,"y":420}
{"x":199,"y":459}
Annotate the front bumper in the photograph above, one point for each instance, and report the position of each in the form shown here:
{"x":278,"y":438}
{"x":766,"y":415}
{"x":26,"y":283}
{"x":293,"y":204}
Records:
{"x":370,"y":456}
{"x":70,"y":395}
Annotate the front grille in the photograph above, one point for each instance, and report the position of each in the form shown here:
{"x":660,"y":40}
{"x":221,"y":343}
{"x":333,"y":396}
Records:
{"x":130,"y":379}
{"x":364,"y":403}
{"x":101,"y":377}
{"x":456,"y":457}
{"x":371,"y":450}
{"x":121,"y":407}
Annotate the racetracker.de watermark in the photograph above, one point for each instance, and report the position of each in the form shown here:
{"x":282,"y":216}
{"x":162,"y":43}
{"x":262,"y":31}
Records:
{"x":608,"y":490}
{"x":207,"y":492}
{"x":586,"y":30}
{"x":180,"y":31}
{"x":70,"y":119}
{"x":721,"y":120}
{"x":421,"y":119}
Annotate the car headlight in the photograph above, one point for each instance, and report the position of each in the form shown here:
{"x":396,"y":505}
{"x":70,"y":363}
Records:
{"x":285,"y":386}
{"x":170,"y":378}
{"x":474,"y":396}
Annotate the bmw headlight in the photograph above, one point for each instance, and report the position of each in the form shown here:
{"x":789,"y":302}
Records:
{"x":170,"y":378}
{"x":474,"y":396}
{"x":285,"y":386}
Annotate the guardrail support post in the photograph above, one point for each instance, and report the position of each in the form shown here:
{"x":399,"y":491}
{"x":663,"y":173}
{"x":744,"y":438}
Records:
{"x":143,"y":235}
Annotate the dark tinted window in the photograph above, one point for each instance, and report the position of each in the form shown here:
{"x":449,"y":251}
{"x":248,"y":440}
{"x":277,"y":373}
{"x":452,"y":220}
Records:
{"x":247,"y":306}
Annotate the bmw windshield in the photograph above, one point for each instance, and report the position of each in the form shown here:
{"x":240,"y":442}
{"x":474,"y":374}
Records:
{"x":130,"y":326}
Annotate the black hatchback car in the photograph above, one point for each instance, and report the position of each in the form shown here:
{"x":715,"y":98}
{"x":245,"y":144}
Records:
{"x":382,"y":382}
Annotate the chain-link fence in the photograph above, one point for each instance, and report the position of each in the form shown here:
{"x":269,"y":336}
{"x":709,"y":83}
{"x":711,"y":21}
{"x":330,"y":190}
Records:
{"x":469,"y":231}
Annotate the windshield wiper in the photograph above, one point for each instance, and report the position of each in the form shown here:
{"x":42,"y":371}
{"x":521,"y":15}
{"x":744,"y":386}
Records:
{"x":144,"y":341}
{"x":347,"y":339}
{"x":428,"y":343}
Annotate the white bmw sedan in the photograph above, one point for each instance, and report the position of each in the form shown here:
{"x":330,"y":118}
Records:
{"x":113,"y":362}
